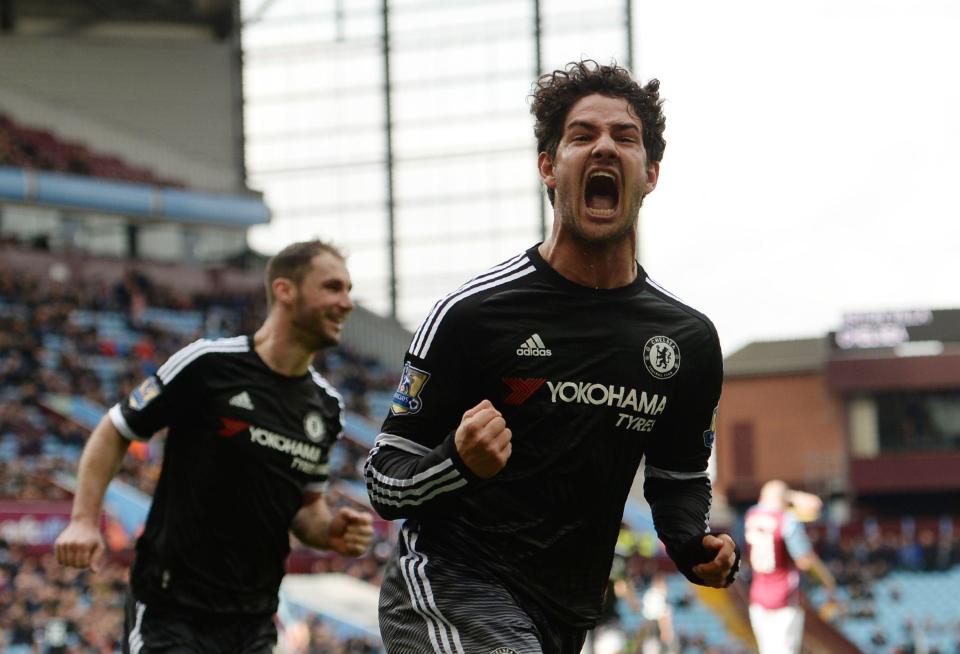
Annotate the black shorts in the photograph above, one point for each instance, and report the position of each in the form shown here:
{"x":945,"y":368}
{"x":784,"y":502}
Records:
{"x":435,"y":605}
{"x":154,"y":630}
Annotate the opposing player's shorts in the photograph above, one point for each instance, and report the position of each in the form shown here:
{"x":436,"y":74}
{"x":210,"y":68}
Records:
{"x":778,"y":631}
{"x":431,"y":604}
{"x":150,"y":630}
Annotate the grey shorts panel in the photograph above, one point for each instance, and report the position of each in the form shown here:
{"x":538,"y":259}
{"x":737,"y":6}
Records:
{"x":431,"y":605}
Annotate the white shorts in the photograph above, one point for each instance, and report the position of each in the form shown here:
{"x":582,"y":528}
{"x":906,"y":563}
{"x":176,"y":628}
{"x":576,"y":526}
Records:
{"x":778,"y":631}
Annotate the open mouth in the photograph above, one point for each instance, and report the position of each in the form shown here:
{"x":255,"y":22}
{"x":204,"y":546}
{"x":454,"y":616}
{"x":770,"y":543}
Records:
{"x":602,"y":195}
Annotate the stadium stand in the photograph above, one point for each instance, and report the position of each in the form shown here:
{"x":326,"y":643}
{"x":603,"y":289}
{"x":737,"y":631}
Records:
{"x":656,"y":609}
{"x":898,"y":583}
{"x":121,"y":164}
{"x":48,"y":608}
{"x":68,"y":349}
{"x":897,"y":594}
{"x":41,"y":149}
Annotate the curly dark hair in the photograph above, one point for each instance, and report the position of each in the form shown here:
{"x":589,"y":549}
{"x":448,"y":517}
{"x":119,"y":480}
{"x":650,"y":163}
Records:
{"x":554,"y":93}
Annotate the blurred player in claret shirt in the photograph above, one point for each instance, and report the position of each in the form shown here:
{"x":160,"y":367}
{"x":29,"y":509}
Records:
{"x":251,"y":425}
{"x":778,"y":550}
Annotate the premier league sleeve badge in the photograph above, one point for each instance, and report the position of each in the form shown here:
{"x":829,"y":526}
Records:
{"x":406,"y":399}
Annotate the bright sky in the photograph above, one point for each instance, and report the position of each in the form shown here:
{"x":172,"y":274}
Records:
{"x":812,"y":151}
{"x":811,"y":160}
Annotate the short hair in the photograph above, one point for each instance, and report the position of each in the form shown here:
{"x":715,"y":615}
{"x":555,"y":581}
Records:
{"x":555,"y":93}
{"x":293,"y":262}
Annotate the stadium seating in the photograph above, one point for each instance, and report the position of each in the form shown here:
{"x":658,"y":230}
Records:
{"x":25,"y":147}
{"x":696,"y":625}
{"x":66,"y":354}
{"x":897,"y":593}
{"x":64,"y":357}
{"x":908,"y":609}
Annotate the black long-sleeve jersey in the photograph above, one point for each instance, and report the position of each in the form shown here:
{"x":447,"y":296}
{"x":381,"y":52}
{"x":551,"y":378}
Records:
{"x":244,"y":444}
{"x":589,"y":381}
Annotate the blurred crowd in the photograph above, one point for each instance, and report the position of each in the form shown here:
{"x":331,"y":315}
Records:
{"x":47,"y":608}
{"x":874,"y":554}
{"x":645,"y":609}
{"x":862,"y":564}
{"x":314,"y":636}
{"x":53,"y":346}
{"x":41,"y":149}
{"x":45,"y":351}
{"x":644,"y":613}
{"x":859,"y":561}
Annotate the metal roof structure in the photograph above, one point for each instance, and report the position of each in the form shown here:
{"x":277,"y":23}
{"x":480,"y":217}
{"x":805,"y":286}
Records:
{"x":67,"y":17}
{"x":805,"y":355}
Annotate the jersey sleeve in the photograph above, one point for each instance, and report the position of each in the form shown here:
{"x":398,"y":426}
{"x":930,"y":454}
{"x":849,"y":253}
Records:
{"x":414,"y":467}
{"x":795,"y":537}
{"x":319,"y":482}
{"x":160,"y":398}
{"x":676,"y":481}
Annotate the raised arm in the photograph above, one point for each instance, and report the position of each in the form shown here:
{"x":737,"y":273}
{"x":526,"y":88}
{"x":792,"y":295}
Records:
{"x":441,"y":437}
{"x":406,"y":479}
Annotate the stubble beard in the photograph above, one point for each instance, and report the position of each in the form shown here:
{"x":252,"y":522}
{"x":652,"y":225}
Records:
{"x":569,"y":219}
{"x":309,"y":332}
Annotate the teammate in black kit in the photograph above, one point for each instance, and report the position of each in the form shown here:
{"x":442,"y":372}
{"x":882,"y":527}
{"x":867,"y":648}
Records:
{"x":251,"y":424}
{"x":530,"y":396}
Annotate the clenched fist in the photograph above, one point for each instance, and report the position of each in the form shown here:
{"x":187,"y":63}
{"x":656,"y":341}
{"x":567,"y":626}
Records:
{"x":483,"y":440}
{"x":350,"y":532}
{"x":716,"y":571}
{"x":80,"y":545}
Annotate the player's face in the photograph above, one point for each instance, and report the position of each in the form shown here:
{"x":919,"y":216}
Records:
{"x":323,"y":301}
{"x":600,"y":172}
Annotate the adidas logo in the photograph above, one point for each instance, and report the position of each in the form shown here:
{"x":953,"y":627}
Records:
{"x":533,"y":347}
{"x":242,"y":400}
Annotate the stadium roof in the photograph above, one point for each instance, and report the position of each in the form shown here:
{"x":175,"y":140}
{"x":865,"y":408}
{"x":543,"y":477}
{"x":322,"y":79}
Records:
{"x":64,"y":17}
{"x":132,"y":199}
{"x":778,"y":357}
{"x":880,"y":335}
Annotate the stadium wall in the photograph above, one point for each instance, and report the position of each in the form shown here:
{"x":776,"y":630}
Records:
{"x":164,"y":103}
{"x":868,"y":417}
{"x":788,"y":427}
{"x":187,"y":279}
{"x":376,"y":336}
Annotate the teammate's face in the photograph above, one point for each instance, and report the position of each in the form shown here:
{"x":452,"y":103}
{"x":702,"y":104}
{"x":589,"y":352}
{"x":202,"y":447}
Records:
{"x":323,"y":301}
{"x":600,"y":172}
